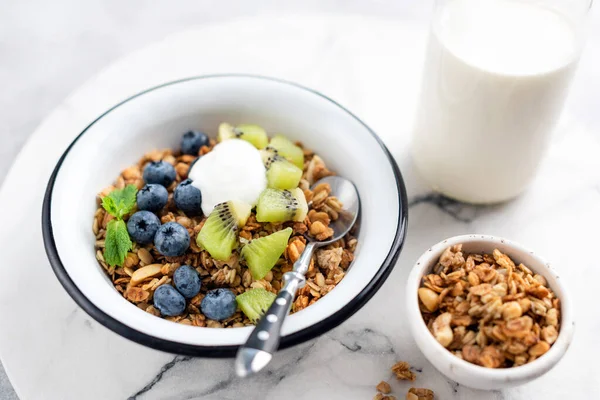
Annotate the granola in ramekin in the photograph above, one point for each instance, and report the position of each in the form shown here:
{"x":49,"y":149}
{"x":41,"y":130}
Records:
{"x":489,"y":311}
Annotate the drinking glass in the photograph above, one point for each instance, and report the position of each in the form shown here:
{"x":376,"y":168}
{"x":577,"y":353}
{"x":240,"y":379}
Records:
{"x":495,"y":80}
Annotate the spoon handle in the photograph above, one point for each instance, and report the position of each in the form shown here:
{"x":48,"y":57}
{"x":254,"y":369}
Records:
{"x":264,"y":339}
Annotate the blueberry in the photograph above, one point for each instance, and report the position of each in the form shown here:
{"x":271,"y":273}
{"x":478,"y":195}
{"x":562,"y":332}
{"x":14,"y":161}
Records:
{"x":152,"y":197}
{"x":192,"y":141}
{"x":160,"y":172}
{"x":142,"y":227}
{"x":168,"y":301}
{"x":218,"y":304}
{"x":186,"y":281}
{"x":188,"y":198}
{"x":172,"y":239}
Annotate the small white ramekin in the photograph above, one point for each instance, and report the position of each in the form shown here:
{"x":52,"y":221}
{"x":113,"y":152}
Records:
{"x":461,"y":371}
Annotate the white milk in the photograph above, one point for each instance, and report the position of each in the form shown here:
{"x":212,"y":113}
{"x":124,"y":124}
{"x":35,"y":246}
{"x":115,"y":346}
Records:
{"x":495,"y":79}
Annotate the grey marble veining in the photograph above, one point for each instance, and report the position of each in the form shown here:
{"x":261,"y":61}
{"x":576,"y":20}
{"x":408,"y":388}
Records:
{"x":6,"y":390}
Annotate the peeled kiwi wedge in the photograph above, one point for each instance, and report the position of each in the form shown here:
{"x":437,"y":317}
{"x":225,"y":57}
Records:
{"x":262,"y":254}
{"x":255,"y":303}
{"x":253,"y":134}
{"x":281,"y":174}
{"x":287,"y":149}
{"x":219,"y":234}
{"x":275,"y":205}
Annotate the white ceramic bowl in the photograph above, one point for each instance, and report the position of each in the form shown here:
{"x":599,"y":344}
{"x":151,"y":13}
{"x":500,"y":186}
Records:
{"x":461,"y":371}
{"x":157,"y":118}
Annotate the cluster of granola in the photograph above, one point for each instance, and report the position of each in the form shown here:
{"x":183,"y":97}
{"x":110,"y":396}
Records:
{"x":488,"y":311}
{"x":145,"y":269}
{"x":402,"y":372}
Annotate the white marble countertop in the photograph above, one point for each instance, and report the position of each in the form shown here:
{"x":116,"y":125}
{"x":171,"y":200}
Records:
{"x":53,"y":350}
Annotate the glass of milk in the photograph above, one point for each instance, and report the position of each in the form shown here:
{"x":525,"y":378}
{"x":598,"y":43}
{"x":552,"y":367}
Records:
{"x":496,"y":76}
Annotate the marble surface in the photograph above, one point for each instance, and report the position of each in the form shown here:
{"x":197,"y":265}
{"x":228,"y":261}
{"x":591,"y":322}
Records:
{"x":53,"y":350}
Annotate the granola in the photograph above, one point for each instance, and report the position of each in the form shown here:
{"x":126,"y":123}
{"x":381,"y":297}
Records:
{"x":402,"y":371}
{"x":487,"y":310}
{"x":419,"y":394}
{"x":145,"y":269}
{"x":384,"y":387}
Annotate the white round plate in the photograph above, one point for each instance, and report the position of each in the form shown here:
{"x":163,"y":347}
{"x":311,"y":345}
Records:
{"x":53,"y":350}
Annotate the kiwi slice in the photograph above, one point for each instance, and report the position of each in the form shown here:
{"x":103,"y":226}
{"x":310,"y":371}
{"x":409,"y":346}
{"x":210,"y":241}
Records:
{"x":255,"y":303}
{"x":262,"y":254}
{"x":275,"y":205}
{"x":226,"y":131}
{"x":218,"y":236}
{"x":253,"y":134}
{"x":285,"y":148}
{"x":281,"y":174}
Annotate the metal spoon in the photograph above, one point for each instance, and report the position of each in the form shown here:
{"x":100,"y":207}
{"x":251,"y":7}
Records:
{"x":264,"y":339}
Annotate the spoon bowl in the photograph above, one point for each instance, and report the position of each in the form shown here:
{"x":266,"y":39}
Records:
{"x":346,"y":193}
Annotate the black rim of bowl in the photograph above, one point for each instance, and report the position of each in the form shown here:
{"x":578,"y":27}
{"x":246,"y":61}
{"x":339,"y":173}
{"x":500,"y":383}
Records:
{"x":228,"y":350}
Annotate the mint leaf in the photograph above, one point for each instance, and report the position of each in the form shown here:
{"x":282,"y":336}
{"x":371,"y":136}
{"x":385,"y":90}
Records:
{"x":109,"y":205}
{"x":124,"y":198}
{"x":120,"y":201}
{"x":117,"y":243}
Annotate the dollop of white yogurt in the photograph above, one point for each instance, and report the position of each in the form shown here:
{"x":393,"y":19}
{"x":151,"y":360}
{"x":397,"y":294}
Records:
{"x":233,"y":170}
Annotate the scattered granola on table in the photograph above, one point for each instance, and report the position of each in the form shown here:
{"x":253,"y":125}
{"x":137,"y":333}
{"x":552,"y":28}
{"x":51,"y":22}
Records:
{"x":419,"y":394}
{"x":402,"y":371}
{"x":157,"y":193}
{"x":489,"y":311}
{"x":384,"y":387}
{"x":381,"y":396}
